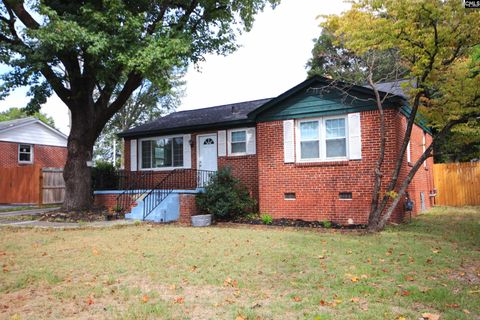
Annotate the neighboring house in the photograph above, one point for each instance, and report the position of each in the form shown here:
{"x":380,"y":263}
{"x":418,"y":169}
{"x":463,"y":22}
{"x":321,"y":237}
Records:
{"x":29,"y":141}
{"x":307,"y":154}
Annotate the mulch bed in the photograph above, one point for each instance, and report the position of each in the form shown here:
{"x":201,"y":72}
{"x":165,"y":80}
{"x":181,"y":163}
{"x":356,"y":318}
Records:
{"x":298,"y":223}
{"x":96,"y":214}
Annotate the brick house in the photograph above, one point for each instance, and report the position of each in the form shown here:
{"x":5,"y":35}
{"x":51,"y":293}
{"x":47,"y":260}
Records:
{"x":29,"y":141}
{"x":307,"y":154}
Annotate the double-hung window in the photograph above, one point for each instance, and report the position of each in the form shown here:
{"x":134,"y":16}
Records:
{"x":335,"y":138}
{"x":25,"y":153}
{"x":162,"y":152}
{"x":238,"y":140}
{"x":322,"y":139}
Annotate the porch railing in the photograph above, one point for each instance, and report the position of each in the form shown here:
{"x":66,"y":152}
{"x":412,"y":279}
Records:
{"x":135,"y":185}
{"x":189,"y":179}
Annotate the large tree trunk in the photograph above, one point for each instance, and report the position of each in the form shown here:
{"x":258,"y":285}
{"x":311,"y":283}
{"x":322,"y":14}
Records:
{"x":77,"y":174}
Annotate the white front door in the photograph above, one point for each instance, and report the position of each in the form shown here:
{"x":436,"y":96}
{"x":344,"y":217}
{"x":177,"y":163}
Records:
{"x":207,"y":152}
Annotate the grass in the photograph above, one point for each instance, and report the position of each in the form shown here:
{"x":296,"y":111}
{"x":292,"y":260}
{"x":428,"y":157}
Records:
{"x":169,"y":272}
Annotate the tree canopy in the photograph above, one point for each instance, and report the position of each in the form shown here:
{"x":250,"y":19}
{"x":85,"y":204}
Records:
{"x":95,"y":53}
{"x":435,"y":41}
{"x":17,"y":113}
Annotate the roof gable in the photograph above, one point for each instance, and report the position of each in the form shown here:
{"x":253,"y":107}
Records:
{"x":32,"y":131}
{"x":317,"y":96}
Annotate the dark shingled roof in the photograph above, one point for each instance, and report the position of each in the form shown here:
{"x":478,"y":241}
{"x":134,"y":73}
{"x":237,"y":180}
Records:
{"x":233,"y":114}
{"x":393,"y":87}
{"x":212,"y":117}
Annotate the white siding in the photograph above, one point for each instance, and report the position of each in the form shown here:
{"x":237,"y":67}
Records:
{"x":33,"y":133}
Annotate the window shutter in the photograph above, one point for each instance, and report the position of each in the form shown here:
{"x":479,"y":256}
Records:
{"x":251,"y":147}
{"x":354,"y":136}
{"x":187,"y":151}
{"x":288,"y":141}
{"x":133,"y":155}
{"x":222,"y":143}
{"x":409,"y":156}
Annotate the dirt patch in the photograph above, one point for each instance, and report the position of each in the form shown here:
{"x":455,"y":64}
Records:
{"x":79,"y":216}
{"x":467,"y":274}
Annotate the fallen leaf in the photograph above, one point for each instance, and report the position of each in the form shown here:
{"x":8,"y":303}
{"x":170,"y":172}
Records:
{"x":229,"y":282}
{"x":240,"y":317}
{"x":430,"y":316}
{"x":453,"y":305}
{"x":297,"y":299}
{"x":466,"y":311}
{"x":405,"y":293}
{"x":179,"y":300}
{"x":409,"y":278}
{"x":145,"y":298}
{"x":354,"y":279}
{"x":95,"y":252}
{"x":355,"y":299}
{"x":90,"y":301}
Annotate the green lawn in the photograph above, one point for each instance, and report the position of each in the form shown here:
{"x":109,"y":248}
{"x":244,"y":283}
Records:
{"x":170,"y":272}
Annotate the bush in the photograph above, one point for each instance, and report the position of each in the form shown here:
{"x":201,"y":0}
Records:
{"x":327,"y":224}
{"x":104,"y":176}
{"x":266,"y":219}
{"x":225,"y":197}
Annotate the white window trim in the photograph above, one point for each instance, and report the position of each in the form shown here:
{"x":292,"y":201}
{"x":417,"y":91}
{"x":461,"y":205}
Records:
{"x":31,"y":153}
{"x":322,"y":140}
{"x":140,"y":153}
{"x":229,"y":142}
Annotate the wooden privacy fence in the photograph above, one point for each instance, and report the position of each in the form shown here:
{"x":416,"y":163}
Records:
{"x":31,"y":184}
{"x":53,"y":185}
{"x":457,"y":184}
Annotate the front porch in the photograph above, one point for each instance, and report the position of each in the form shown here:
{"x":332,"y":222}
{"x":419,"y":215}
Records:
{"x":143,"y":196}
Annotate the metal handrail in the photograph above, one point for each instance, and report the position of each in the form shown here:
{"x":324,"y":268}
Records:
{"x":176,"y":179}
{"x":134,"y":190}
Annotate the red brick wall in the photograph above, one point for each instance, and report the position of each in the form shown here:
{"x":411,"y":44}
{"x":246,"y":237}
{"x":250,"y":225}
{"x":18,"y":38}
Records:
{"x":44,"y":156}
{"x":188,"y":207}
{"x":423,"y":179}
{"x":317,"y":185}
{"x":108,"y":201}
{"x":243,"y":167}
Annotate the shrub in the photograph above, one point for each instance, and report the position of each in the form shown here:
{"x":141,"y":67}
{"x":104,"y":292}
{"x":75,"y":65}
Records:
{"x":327,"y":224}
{"x":104,"y":176}
{"x":225,"y":196}
{"x":266,"y":219}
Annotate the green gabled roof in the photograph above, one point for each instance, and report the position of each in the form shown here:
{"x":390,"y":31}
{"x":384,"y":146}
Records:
{"x":319,"y":96}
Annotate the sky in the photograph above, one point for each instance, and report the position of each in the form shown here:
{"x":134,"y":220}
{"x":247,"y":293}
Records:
{"x":271,"y":60}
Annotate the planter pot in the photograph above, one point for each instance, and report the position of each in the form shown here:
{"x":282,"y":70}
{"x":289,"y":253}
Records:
{"x":202,"y":220}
